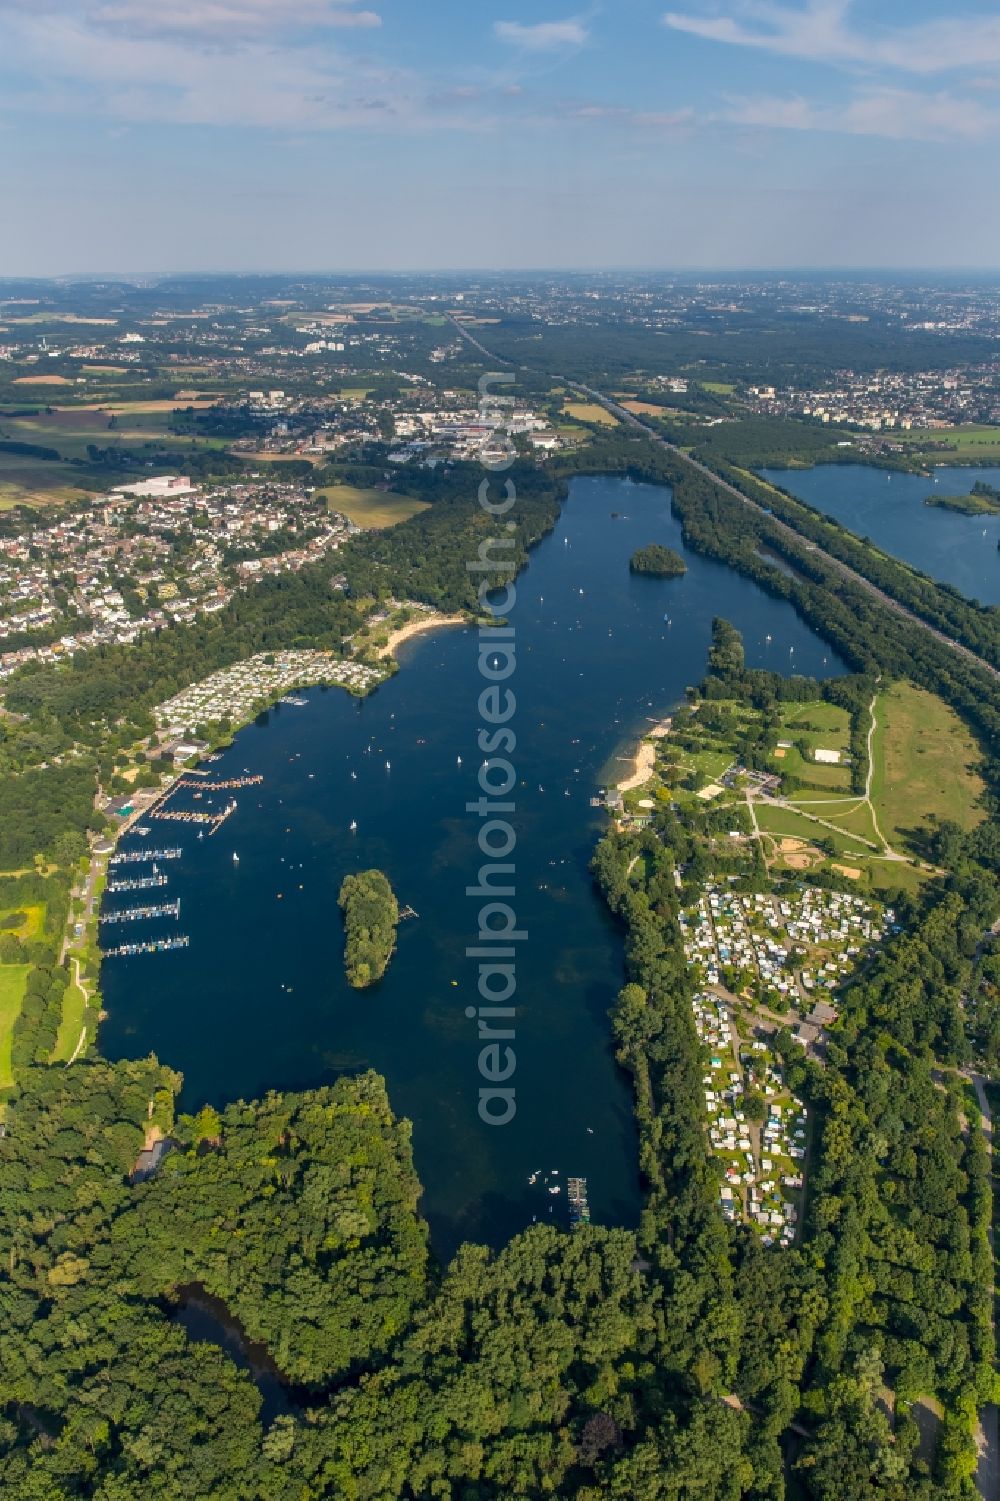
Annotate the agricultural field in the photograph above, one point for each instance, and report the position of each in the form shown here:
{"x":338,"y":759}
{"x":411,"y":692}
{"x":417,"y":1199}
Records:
{"x":13,"y":981}
{"x":925,"y":765}
{"x":372,"y":509}
{"x":971,"y":444}
{"x":36,"y":482}
{"x":589,"y":411}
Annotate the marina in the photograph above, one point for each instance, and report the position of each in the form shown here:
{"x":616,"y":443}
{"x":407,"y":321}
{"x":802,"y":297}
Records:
{"x":211,"y":821}
{"x":143,"y":914}
{"x":152,"y":946}
{"x":139,"y":857}
{"x":137,"y":883}
{"x":579,"y":1207}
{"x":232,"y":784}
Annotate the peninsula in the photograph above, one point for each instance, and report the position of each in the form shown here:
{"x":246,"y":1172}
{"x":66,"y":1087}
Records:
{"x":371,"y":916}
{"x":982,"y":500}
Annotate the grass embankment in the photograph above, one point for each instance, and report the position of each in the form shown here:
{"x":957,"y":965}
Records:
{"x":925,"y":766}
{"x":372,"y":509}
{"x":13,"y":981}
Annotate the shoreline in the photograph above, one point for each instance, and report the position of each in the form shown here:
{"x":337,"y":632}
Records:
{"x":416,"y":627}
{"x":644,"y":759}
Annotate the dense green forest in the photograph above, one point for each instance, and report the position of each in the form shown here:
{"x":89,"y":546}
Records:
{"x":371,"y":917}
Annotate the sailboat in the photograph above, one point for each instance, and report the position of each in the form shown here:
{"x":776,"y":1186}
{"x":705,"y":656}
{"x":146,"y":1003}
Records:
{"x":354,"y":826}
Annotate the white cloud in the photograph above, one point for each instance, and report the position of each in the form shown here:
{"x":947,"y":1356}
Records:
{"x":896,"y":114}
{"x":821,"y":31}
{"x":543,"y":36}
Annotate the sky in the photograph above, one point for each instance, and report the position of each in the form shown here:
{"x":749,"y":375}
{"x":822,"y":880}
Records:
{"x":144,"y":136}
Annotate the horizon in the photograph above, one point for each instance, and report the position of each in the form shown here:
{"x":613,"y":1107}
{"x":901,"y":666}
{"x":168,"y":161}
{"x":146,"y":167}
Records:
{"x":651,"y":135}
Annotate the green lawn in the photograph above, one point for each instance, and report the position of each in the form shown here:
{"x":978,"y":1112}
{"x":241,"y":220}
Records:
{"x":925,"y":764}
{"x":372,"y":508}
{"x":74,"y":1006}
{"x":13,"y":980}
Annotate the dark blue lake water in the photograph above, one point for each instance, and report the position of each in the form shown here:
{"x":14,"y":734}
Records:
{"x":889,"y":508}
{"x":259,"y":1000}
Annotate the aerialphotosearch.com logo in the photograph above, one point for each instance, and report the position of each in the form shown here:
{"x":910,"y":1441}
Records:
{"x":497,"y":932}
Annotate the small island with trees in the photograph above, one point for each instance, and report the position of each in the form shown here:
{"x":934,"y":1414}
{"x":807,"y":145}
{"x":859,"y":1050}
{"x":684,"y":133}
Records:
{"x":982,"y":500}
{"x":371,"y":916}
{"x":658,"y":561}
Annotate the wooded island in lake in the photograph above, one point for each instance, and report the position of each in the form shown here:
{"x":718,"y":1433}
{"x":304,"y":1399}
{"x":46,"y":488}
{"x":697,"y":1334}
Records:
{"x":658,"y":561}
{"x":371,"y":916}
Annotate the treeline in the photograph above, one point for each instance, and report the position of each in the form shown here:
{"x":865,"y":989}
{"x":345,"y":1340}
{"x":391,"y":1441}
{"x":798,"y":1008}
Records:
{"x":29,"y":450}
{"x":36,"y":1026}
{"x":371,"y":917}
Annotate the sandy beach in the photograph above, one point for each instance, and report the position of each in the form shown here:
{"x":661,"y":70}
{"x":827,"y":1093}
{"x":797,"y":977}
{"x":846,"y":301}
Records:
{"x":645,"y":758}
{"x":416,"y":627}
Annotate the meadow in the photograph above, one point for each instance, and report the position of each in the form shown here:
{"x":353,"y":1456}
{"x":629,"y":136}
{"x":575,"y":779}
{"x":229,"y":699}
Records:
{"x":372,"y":509}
{"x":925,"y":765}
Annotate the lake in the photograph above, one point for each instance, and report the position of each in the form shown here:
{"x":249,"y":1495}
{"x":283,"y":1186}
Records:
{"x":889,"y":508}
{"x":259,"y":1001}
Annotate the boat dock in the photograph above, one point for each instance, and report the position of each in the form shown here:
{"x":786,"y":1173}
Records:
{"x":211,"y":821}
{"x":231,"y":785}
{"x":154,"y":946}
{"x":138,"y":883}
{"x":143,"y":914}
{"x":138,"y":857}
{"x":576,"y":1193}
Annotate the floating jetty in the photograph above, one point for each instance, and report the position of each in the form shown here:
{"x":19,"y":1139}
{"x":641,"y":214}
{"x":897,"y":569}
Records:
{"x":137,"y":857}
{"x":576,"y":1193}
{"x":211,"y":821}
{"x":407,"y":912}
{"x":154,"y":946}
{"x":143,"y":914}
{"x":138,"y":883}
{"x":233,"y":783}
{"x":295,"y":701}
